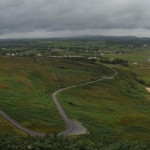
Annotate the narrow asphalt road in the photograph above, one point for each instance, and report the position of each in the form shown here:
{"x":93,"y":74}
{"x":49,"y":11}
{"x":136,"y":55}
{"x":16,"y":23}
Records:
{"x":72,"y":127}
{"x":19,"y":126}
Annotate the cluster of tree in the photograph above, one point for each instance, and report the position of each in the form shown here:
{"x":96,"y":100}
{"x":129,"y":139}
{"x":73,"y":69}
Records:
{"x":81,"y":59}
{"x":114,"y":61}
{"x":16,"y":142}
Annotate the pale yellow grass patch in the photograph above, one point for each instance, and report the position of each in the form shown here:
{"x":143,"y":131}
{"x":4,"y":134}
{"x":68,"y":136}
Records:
{"x":148,"y":89}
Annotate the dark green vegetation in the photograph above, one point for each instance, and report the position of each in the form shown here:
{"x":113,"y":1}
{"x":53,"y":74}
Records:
{"x":115,"y":112}
{"x":16,"y":142}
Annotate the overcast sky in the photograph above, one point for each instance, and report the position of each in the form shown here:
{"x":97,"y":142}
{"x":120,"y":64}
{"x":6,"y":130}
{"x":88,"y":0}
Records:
{"x":57,"y":18}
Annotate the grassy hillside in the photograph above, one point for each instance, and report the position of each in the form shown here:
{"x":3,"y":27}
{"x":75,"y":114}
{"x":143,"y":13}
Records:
{"x":26,"y":85}
{"x":117,"y":109}
{"x":113,"y":111}
{"x":6,"y":127}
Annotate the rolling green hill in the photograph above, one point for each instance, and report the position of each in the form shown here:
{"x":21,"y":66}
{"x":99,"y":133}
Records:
{"x":26,"y":85}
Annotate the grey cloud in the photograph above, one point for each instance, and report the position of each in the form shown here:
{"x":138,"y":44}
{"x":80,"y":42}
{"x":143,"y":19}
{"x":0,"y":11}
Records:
{"x":59,"y":15}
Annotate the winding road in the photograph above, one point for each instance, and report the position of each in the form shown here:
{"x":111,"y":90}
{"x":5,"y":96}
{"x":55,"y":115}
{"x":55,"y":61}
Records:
{"x":73,"y":127}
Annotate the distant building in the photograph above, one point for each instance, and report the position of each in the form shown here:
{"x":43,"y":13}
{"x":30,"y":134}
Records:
{"x":13,"y":54}
{"x":144,"y":46}
{"x":135,"y":63}
{"x":8,"y":54}
{"x":111,"y":59}
{"x":39,"y":55}
{"x":3,"y":48}
{"x":92,"y":58}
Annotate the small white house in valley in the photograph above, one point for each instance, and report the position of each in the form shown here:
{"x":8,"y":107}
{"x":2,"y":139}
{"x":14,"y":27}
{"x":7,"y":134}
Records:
{"x":135,"y":63}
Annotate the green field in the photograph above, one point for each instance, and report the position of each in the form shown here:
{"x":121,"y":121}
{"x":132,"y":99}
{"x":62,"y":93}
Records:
{"x":139,"y":56}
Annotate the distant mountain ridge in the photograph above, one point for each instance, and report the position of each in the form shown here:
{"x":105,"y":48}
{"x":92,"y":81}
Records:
{"x":84,"y":37}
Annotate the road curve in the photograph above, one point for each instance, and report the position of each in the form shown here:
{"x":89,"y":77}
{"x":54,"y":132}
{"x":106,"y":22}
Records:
{"x":72,"y":127}
{"x":16,"y":124}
